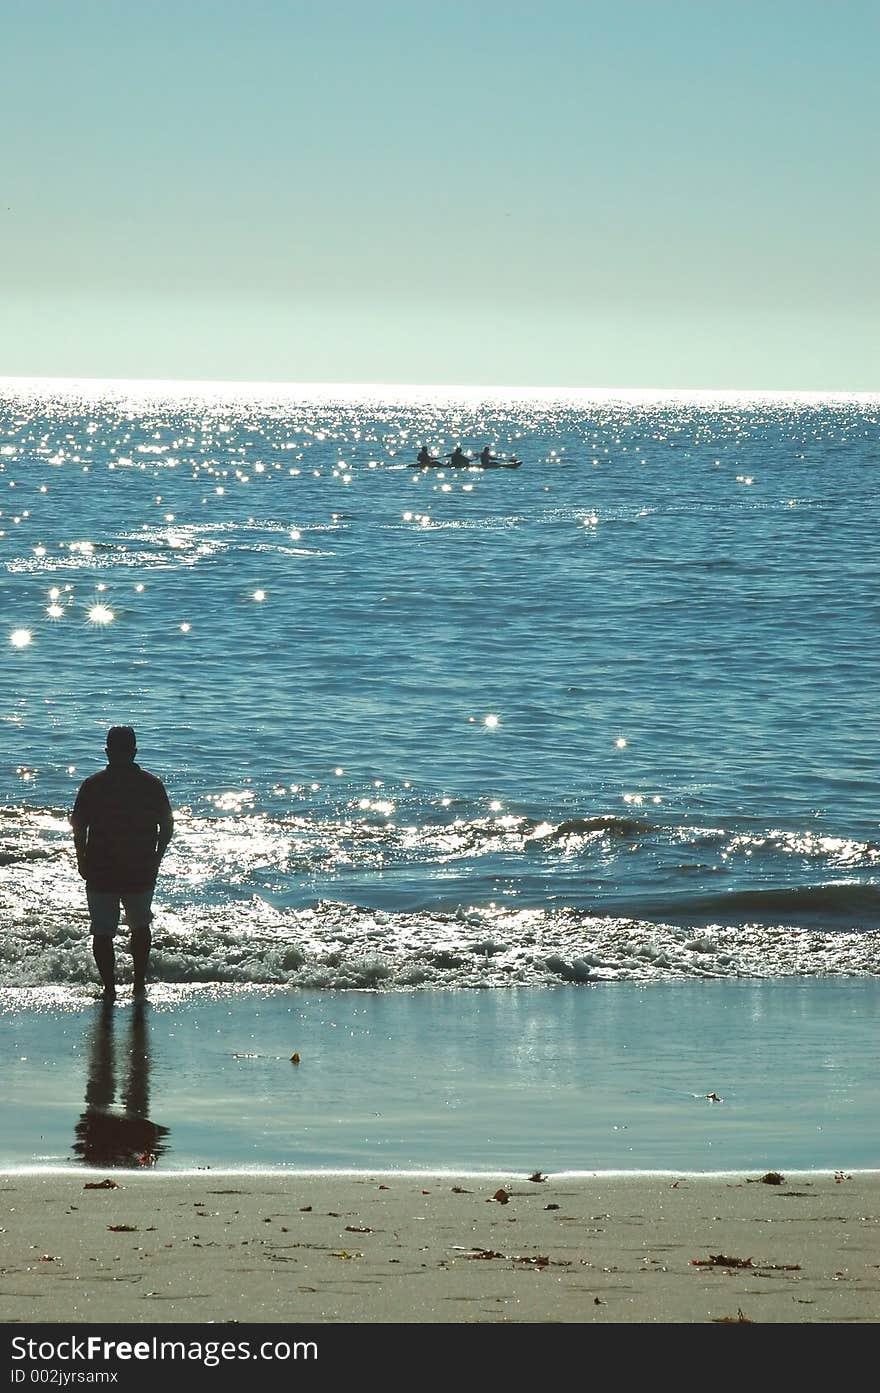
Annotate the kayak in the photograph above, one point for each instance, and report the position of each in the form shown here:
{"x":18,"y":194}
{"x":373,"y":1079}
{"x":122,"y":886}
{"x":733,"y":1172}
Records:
{"x":474,"y":464}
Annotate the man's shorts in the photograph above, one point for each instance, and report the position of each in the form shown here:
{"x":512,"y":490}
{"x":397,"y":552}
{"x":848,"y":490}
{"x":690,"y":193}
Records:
{"x":104,"y":910}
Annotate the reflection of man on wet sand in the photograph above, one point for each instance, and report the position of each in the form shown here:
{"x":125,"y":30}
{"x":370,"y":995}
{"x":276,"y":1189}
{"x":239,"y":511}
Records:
{"x":125,"y":1137}
{"x":122,"y":824}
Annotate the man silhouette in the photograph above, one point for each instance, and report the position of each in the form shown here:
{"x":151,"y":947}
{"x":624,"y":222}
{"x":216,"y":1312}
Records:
{"x":122,"y":824}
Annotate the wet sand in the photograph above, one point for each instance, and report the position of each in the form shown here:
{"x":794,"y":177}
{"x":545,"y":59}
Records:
{"x":223,"y":1247}
{"x":698,"y":1077}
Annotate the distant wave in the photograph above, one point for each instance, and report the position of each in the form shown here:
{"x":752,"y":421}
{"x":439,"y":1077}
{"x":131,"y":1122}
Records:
{"x":844,"y":904}
{"x":14,"y":858}
{"x":612,"y":825}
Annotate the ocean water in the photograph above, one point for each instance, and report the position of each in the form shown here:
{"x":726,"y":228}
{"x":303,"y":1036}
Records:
{"x":609,"y":716}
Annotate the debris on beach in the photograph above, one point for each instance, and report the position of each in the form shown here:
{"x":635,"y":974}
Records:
{"x":771,"y":1178}
{"x":537,"y":1177}
{"x":500,"y":1196}
{"x":840,"y":1176}
{"x":551,"y":1206}
{"x":536,"y":1260}
{"x":719,"y":1260}
{"x":101,"y":1185}
{"x":460,"y":1190}
{"x":122,"y":1228}
{"x":713,"y":1097}
{"x":357,"y":1228}
{"x":738,"y":1319}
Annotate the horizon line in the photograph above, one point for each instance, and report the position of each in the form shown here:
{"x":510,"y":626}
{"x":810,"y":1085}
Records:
{"x":266,"y":387}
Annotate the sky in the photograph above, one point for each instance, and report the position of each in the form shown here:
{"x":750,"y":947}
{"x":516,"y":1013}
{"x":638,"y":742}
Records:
{"x":580,"y":193}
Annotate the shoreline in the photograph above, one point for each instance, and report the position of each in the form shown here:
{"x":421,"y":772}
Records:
{"x":156,"y":1248}
{"x":691,"y":1078}
{"x":501,"y":1176}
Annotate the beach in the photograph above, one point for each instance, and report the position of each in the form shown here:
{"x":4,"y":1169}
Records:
{"x":172,"y":1162}
{"x":438,"y":476}
{"x":524,"y":825}
{"x":307,"y":1248}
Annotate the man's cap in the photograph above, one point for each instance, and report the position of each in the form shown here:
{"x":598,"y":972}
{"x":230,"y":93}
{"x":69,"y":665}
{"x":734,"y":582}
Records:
{"x":121,"y":740}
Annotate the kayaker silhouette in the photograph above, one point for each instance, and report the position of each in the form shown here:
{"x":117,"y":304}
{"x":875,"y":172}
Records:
{"x":458,"y":458}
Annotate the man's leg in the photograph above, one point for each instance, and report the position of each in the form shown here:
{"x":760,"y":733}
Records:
{"x":139,"y":916}
{"x":104,"y":914}
{"x":141,"y":942}
{"x":105,"y":958}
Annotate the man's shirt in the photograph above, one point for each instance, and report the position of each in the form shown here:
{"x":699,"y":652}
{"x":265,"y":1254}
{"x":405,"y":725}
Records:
{"x":123,"y":808}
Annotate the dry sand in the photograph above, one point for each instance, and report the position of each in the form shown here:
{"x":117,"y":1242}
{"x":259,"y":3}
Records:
{"x":401,"y":1248}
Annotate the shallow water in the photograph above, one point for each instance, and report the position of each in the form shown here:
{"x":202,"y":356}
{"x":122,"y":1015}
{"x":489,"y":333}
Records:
{"x":609,"y":715}
{"x":611,"y":1078}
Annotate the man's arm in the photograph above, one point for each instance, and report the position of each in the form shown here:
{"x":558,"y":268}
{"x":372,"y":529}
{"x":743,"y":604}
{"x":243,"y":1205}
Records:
{"x":80,"y":840}
{"x":79,"y":821}
{"x":166,"y":831}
